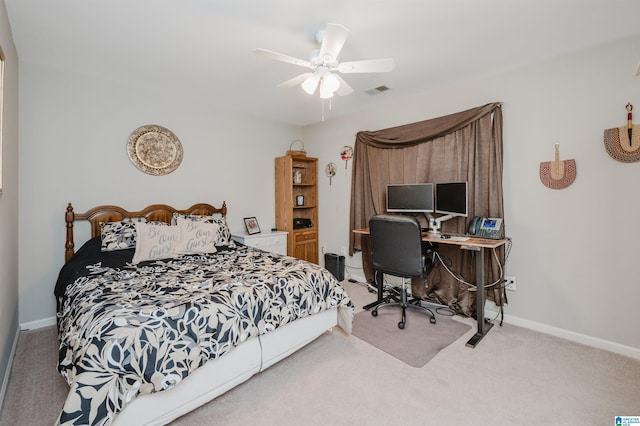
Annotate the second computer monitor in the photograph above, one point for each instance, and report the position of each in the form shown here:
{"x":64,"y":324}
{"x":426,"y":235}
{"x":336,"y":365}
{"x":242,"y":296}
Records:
{"x":452,"y":198}
{"x":410,"y":198}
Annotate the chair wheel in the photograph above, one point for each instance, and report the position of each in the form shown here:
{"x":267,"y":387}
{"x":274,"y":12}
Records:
{"x":401,"y":325}
{"x":374,"y":313}
{"x":432,"y":320}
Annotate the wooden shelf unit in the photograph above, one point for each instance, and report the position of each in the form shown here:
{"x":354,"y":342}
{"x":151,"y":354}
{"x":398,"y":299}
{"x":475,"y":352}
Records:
{"x":303,"y":242}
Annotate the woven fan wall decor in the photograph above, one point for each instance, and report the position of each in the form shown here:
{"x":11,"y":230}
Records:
{"x":558,"y":174}
{"x":623,"y":143}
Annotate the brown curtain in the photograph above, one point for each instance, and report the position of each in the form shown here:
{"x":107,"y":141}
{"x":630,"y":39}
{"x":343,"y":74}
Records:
{"x":466,"y":146}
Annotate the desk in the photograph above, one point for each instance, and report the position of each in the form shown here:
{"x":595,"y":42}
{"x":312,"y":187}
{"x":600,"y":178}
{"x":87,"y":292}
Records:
{"x":473,"y":244}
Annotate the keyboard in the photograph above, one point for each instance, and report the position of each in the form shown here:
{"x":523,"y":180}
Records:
{"x":454,"y":238}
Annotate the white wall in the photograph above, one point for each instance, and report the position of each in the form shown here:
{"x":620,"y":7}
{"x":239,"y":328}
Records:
{"x":574,"y":250}
{"x":8,"y":201}
{"x":74,"y":132}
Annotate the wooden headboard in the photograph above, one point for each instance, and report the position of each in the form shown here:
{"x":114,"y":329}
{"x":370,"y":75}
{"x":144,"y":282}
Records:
{"x":153,"y":213}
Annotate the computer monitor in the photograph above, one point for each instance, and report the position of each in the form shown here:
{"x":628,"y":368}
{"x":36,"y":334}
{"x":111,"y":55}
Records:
{"x":451,"y":198}
{"x":410,"y":198}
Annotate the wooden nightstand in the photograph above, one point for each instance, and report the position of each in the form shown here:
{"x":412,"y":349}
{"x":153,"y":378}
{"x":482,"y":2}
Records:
{"x":273,"y":241}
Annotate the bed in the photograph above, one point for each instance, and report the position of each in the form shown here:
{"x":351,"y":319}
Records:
{"x":160,"y":311}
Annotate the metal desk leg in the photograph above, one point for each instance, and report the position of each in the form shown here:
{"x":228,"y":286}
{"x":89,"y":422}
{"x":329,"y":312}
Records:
{"x":483,"y":327}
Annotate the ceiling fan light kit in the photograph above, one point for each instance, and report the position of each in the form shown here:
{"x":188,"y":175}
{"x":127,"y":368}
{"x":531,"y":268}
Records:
{"x":323,"y":64}
{"x":325,"y":91}
{"x":310,"y":84}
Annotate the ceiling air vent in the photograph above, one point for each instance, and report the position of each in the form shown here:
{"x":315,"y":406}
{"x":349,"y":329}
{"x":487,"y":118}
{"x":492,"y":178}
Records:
{"x":376,"y":90}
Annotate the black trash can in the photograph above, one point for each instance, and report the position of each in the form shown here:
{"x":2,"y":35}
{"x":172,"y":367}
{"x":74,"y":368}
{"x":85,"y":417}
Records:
{"x":335,"y":265}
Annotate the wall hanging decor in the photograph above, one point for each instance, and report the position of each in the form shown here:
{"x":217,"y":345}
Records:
{"x":558,"y":174}
{"x":154,"y":149}
{"x":623,"y":143}
{"x":346,"y":153}
{"x":330,"y":171}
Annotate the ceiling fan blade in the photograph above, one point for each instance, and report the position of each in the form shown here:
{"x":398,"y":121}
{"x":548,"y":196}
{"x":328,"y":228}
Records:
{"x":372,"y":65}
{"x":283,"y":58}
{"x":344,"y":88}
{"x":295,"y":80}
{"x":334,"y":37}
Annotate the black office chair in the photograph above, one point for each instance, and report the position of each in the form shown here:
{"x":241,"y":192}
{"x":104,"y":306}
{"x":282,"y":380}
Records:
{"x":396,"y":249}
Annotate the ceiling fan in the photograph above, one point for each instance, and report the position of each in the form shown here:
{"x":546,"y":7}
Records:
{"x":323,"y":64}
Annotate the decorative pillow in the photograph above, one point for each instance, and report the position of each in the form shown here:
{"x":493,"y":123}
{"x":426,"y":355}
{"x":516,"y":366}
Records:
{"x":155,"y":241}
{"x":196,"y":237}
{"x":223,"y":234}
{"x":117,"y":235}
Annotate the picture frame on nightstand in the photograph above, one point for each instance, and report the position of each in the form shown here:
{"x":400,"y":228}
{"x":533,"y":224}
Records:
{"x":251,"y":223}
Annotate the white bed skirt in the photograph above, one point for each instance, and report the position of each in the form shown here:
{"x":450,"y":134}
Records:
{"x":219,"y":375}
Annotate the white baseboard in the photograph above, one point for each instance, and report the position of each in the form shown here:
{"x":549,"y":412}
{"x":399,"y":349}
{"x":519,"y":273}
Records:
{"x":629,"y":351}
{"x":357,"y":277}
{"x":33,"y":325}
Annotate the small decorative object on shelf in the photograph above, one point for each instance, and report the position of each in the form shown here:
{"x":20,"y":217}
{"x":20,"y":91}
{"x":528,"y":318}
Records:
{"x":558,"y":174}
{"x":297,"y":177}
{"x":623,"y":143}
{"x":300,"y":200}
{"x":299,"y":152}
{"x":251,"y":223}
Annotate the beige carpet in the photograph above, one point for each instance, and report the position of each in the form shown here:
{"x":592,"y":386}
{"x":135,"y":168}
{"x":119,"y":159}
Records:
{"x":36,"y":390}
{"x":513,"y":377}
{"x":417,"y":343}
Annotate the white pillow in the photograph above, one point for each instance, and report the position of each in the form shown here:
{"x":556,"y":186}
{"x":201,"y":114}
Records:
{"x":224,"y":235}
{"x":155,"y":241}
{"x":196,"y":237}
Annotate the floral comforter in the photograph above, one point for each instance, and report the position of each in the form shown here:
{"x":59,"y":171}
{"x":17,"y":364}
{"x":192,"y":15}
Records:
{"x":130,"y":329}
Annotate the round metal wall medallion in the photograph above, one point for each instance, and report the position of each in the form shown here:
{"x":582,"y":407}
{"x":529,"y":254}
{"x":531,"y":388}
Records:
{"x":154,"y":149}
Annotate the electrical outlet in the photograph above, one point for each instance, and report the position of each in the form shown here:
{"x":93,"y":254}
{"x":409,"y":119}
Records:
{"x":324,"y":248}
{"x":510,"y":283}
{"x":343,"y":250}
